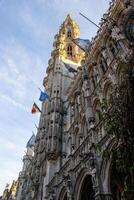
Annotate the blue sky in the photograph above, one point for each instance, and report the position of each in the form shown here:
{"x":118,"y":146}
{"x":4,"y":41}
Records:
{"x":27,"y":29}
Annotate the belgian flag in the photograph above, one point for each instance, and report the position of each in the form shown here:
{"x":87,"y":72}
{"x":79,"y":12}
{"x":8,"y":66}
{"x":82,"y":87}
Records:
{"x":35,"y":109}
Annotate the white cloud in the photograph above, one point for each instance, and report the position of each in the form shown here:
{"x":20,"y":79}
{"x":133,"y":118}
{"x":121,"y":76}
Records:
{"x":20,"y":69}
{"x":14,"y":83}
{"x":9,"y":145}
{"x":34,"y":24}
{"x":14,"y":103}
{"x":9,"y":167}
{"x":9,"y":172}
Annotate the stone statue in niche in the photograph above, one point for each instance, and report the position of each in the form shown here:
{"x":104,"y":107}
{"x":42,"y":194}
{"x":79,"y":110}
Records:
{"x":49,"y":143}
{"x":116,"y":34}
{"x":57,"y":117}
{"x":91,"y":121}
{"x":96,"y":74}
{"x":72,"y":111}
{"x":105,"y":54}
{"x":94,"y":179}
{"x":106,"y":57}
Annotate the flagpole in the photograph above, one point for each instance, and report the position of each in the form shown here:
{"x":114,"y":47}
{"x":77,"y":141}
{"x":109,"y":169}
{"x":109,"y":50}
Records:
{"x":36,"y":126}
{"x":89,"y":20}
{"x":43,"y":92}
{"x":39,"y":89}
{"x":33,"y":132}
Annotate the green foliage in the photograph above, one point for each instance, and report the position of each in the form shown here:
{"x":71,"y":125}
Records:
{"x":118,"y":121}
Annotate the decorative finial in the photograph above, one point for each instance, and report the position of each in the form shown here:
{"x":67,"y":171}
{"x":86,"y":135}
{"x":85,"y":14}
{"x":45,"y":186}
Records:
{"x":68,"y":17}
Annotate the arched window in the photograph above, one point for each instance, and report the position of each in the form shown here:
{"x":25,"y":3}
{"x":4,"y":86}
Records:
{"x":69,"y":34}
{"x":69,"y":50}
{"x":87,"y":191}
{"x":116,"y":182}
{"x":113,"y":46}
{"x":103,"y":65}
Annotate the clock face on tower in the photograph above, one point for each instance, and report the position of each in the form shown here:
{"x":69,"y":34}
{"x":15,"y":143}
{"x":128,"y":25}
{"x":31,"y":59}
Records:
{"x":129,"y":28}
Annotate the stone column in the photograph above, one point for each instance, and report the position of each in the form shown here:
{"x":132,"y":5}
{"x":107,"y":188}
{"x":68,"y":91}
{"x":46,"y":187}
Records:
{"x":68,"y":180}
{"x":88,"y":104}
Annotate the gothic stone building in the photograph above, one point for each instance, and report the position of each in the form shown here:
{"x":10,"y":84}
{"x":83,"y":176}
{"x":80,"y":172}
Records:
{"x":66,"y":164}
{"x":10,"y":194}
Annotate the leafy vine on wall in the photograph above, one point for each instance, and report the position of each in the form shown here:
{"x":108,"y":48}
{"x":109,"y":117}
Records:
{"x":118,"y":119}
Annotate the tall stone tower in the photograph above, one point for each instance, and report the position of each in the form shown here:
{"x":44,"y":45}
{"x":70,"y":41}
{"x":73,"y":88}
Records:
{"x":50,"y":148}
{"x":24,"y":179}
{"x":72,"y":159}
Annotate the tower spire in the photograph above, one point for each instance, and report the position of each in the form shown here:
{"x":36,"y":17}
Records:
{"x":64,"y":48}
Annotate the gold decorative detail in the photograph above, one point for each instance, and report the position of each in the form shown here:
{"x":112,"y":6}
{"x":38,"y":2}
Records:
{"x":69,"y":30}
{"x":10,"y":193}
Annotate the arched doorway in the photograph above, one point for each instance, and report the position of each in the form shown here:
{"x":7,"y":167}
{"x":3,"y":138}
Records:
{"x":86,"y":191}
{"x":65,"y":197}
{"x":63,"y":194}
{"x":116,"y":183}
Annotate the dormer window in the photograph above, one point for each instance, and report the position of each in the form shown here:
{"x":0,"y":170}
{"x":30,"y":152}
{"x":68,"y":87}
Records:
{"x":69,"y":50}
{"x":69,"y":34}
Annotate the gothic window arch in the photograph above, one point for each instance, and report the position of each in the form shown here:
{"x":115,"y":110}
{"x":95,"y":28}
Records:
{"x":92,"y":80}
{"x":87,"y":192}
{"x":119,"y":74}
{"x":101,"y":65}
{"x":113,"y":46}
{"x":116,"y":183}
{"x":63,"y":194}
{"x":107,"y":91}
{"x":69,"y":144}
{"x":96,"y":73}
{"x":69,"y":50}
{"x":82,"y":98}
{"x":83,"y":189}
{"x":97,"y":110}
{"x":69,"y":34}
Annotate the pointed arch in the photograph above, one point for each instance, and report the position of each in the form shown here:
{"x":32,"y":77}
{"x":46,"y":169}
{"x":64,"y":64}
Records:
{"x":69,"y":50}
{"x":107,"y":89}
{"x":69,"y":33}
{"x":111,"y":178}
{"x":84,"y":187}
{"x":63,"y":194}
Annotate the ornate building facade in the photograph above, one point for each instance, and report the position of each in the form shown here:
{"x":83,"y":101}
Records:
{"x":10,"y":194}
{"x":66,"y":165}
{"x":24,"y":180}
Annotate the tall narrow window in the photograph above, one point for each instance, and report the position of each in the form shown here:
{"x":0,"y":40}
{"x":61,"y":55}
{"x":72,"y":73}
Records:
{"x":69,"y":33}
{"x":69,"y":50}
{"x":114,"y":47}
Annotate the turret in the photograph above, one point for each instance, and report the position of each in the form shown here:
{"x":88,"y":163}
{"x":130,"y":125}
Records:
{"x":5,"y":192}
{"x":13,"y":190}
{"x":65,"y":51}
{"x":25,"y":174}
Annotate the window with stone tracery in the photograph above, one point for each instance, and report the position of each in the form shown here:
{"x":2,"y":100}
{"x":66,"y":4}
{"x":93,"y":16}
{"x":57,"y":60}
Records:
{"x":69,"y":33}
{"x":102,"y":65}
{"x":69,"y":50}
{"x":113,"y":46}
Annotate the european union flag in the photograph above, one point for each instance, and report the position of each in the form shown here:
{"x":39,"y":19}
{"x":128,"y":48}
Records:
{"x":43,"y":96}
